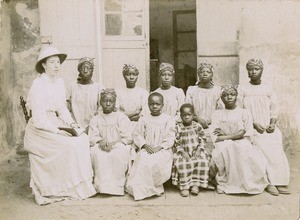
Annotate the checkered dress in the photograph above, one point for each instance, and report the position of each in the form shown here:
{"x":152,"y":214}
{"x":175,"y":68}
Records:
{"x":192,"y":172}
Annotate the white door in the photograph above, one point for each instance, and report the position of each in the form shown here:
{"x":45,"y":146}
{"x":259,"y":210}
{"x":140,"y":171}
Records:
{"x":70,"y":26}
{"x":123,"y":30}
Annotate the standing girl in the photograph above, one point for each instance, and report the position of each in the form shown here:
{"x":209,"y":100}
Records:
{"x":173,"y":96}
{"x":110,"y":140}
{"x":84,"y":94}
{"x":191,"y":162}
{"x":154,"y":136}
{"x":132,"y":99}
{"x":262,"y":103}
{"x":241,"y":166}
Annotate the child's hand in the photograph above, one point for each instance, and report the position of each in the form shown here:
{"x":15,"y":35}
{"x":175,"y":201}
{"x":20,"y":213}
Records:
{"x":270,"y":128}
{"x":185,"y":155}
{"x":259,"y":128}
{"x":218,"y":132}
{"x":155,"y":150}
{"x":200,"y":153}
{"x":148,"y":148}
{"x":102,"y":144}
{"x":203,"y":122}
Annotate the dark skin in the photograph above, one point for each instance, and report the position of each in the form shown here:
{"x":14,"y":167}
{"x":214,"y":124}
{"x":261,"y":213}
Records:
{"x":229,"y":100}
{"x":255,"y":73}
{"x":131,"y":77}
{"x":166,"y":78}
{"x":155,"y":104}
{"x":86,"y":74}
{"x":108,"y":103}
{"x":205,"y":81}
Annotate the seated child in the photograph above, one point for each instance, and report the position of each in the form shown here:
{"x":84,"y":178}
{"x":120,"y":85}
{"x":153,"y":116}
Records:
{"x":241,"y":166}
{"x":154,"y":136}
{"x":191,"y":162}
{"x":110,"y":140}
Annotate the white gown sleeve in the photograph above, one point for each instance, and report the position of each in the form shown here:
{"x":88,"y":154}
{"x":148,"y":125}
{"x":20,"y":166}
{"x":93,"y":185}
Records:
{"x":274,"y":105}
{"x":63,"y":112}
{"x":94,"y":133}
{"x":139,"y":133}
{"x":169,"y":135}
{"x":38,"y":107}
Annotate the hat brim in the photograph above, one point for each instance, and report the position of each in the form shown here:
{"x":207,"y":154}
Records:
{"x":40,"y":69}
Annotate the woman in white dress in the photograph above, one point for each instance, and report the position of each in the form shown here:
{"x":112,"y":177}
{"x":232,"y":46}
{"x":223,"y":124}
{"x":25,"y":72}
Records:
{"x":261,"y":101}
{"x":241,"y":166}
{"x":111,"y":145}
{"x":84,"y":95}
{"x":60,"y":165}
{"x":173,"y":96}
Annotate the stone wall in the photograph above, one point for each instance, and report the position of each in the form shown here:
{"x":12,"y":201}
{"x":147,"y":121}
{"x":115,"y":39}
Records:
{"x":20,"y":43}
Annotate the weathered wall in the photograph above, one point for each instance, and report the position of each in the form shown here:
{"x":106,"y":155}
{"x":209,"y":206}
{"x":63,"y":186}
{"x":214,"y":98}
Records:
{"x":269,"y":30}
{"x":5,"y":104}
{"x":21,"y":45}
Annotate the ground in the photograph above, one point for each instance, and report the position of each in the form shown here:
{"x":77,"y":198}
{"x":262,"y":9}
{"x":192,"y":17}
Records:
{"x":16,"y":201}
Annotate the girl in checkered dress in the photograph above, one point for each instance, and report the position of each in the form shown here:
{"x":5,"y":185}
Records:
{"x":191,"y":162}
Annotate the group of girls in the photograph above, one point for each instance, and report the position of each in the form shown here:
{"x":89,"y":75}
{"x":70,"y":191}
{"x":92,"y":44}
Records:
{"x":139,"y":140}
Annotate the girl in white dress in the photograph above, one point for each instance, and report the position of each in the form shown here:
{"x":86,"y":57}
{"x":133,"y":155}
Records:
{"x":173,"y":96}
{"x":111,"y":143}
{"x":260,"y":100}
{"x":205,"y":98}
{"x":132,"y":99}
{"x":83,"y":95}
{"x":241,"y":165}
{"x":154,"y":136}
{"x":60,"y":165}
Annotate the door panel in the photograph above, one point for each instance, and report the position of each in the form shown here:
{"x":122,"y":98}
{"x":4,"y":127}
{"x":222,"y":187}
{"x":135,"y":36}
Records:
{"x":124,"y":40}
{"x":70,"y":26}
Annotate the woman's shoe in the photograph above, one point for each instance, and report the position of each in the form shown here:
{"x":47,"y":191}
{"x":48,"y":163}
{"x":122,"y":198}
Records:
{"x":184,"y":193}
{"x":195,"y":190}
{"x":272,"y":190}
{"x":283,"y":190}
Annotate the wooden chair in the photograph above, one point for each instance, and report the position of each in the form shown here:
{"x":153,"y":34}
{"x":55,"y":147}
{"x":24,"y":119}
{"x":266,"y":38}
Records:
{"x":25,"y":112}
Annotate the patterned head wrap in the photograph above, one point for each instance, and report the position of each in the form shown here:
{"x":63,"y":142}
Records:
{"x":226,"y":88}
{"x":106,"y":92}
{"x":166,"y":67}
{"x":254,"y":62}
{"x":205,"y":64}
{"x":127,"y":67}
{"x":84,"y":60}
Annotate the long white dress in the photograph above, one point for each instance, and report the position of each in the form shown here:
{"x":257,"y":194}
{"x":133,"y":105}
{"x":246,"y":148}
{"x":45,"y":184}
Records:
{"x":84,"y":100}
{"x":150,"y":171}
{"x":205,"y":102}
{"x":241,"y":165}
{"x":262,"y":103}
{"x":132,"y":99}
{"x":110,"y":167}
{"x":173,"y":99}
{"x":60,"y":166}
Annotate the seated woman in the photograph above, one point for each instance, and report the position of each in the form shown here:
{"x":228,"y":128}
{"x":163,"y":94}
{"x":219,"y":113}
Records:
{"x":110,"y":140}
{"x":154,"y":136}
{"x":261,"y":101}
{"x":83,"y":95}
{"x":241,"y":166}
{"x":60,"y":165}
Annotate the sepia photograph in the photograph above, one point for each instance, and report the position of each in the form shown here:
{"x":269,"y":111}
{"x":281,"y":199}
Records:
{"x":150,"y":109}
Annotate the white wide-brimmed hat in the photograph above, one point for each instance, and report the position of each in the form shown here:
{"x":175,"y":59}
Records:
{"x":48,"y":52}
